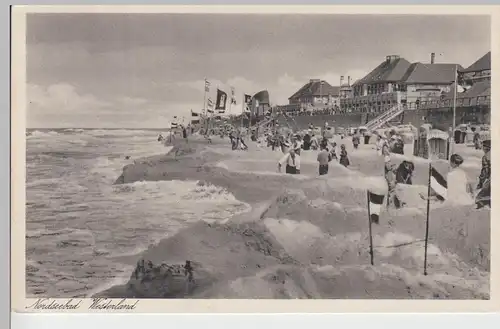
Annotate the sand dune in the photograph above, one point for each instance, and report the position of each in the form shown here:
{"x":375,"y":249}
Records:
{"x":307,"y":236}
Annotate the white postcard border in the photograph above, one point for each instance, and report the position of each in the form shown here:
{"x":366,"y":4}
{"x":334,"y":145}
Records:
{"x":18,"y":92}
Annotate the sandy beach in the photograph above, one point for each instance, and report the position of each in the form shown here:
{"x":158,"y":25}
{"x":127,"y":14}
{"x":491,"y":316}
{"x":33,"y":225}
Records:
{"x":305,"y":236}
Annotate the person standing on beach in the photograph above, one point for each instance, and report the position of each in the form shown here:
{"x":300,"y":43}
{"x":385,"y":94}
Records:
{"x":333,"y":152}
{"x":184,"y":134}
{"x":356,"y":139}
{"x":297,"y":144}
{"x":243,"y":145}
{"x":390,"y":178}
{"x":458,"y":182}
{"x":323,"y":159}
{"x":324,"y":143}
{"x":307,"y":142}
{"x":292,"y":162}
{"x":483,"y":198}
{"x":344,"y":160}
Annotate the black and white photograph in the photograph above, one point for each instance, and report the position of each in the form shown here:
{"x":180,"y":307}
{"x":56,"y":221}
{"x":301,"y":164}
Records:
{"x":266,"y":156}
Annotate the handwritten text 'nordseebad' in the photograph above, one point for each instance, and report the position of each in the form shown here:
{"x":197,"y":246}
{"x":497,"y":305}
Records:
{"x":74,"y":304}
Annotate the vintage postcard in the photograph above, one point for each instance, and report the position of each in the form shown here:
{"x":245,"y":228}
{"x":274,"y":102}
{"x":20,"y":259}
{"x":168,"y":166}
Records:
{"x":254,"y":158}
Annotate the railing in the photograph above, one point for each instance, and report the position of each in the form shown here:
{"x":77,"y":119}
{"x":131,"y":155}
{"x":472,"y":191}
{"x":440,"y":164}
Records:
{"x":384,"y":117}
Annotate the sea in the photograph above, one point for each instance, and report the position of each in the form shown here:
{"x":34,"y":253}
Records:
{"x":79,"y":224}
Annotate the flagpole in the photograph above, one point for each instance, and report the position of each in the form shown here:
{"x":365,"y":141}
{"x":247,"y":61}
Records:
{"x":242,"y":109}
{"x":231,"y":102}
{"x":205,"y":106}
{"x":370,"y":226}
{"x":454,"y":111}
{"x":427,"y":220}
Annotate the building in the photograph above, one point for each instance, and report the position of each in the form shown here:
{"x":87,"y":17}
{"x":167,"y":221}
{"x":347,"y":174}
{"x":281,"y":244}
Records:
{"x":398,"y":92}
{"x":315,"y":93}
{"x":397,"y":81}
{"x":260,"y":103}
{"x":473,"y":97}
{"x":346,"y":89}
{"x":479,"y":71}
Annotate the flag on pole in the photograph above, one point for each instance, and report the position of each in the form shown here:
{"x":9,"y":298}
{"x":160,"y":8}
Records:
{"x":375,"y":202}
{"x":233,"y":98}
{"x":210,"y":102}
{"x":247,"y":99}
{"x":195,"y":118}
{"x":173,"y":124}
{"x":438,"y":183}
{"x":207,"y":86}
{"x":221,"y":100}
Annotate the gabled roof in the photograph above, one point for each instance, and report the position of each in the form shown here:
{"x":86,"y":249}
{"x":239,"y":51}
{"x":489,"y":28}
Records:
{"x":313,"y":88}
{"x":484,"y":63}
{"x":431,"y":73}
{"x":387,"y":71}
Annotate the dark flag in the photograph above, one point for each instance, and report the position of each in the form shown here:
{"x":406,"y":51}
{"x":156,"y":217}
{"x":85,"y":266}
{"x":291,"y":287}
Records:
{"x":195,"y":118}
{"x":438,"y":183}
{"x":248,"y":99}
{"x":221,"y":100}
{"x":233,"y":98}
{"x":375,"y":202}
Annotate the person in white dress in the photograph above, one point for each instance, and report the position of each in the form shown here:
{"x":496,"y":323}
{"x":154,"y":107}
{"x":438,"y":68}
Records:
{"x":458,"y":183}
{"x":291,"y":161}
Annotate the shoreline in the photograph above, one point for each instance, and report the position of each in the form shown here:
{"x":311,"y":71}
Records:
{"x":253,"y":245}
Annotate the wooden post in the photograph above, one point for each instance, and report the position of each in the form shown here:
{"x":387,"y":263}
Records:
{"x":427,"y":220}
{"x":370,"y":226}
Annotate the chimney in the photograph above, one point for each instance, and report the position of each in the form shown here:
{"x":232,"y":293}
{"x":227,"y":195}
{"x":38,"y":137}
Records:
{"x":433,"y":57}
{"x":391,"y":58}
{"x":349,"y":81}
{"x":341,"y":80}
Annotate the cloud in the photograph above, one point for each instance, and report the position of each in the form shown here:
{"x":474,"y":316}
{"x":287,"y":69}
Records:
{"x":61,"y":97}
{"x":133,"y":101}
{"x":63,"y":104}
{"x":141,"y":70}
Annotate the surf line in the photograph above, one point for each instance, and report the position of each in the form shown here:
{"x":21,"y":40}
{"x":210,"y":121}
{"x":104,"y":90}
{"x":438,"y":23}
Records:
{"x":112,"y":304}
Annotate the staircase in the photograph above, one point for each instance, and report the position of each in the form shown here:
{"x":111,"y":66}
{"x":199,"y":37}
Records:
{"x":384,"y":118}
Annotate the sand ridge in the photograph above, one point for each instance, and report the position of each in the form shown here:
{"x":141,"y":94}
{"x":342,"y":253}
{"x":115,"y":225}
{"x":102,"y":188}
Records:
{"x":307,"y":237}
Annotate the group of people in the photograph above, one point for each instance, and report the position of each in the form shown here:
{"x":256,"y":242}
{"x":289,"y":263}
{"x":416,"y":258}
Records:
{"x":183,"y":131}
{"x":237,"y":140}
{"x":293,"y":144}
{"x":459,"y":189}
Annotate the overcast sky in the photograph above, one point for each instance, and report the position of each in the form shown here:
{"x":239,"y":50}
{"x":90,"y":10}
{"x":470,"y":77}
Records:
{"x":139,"y":70}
